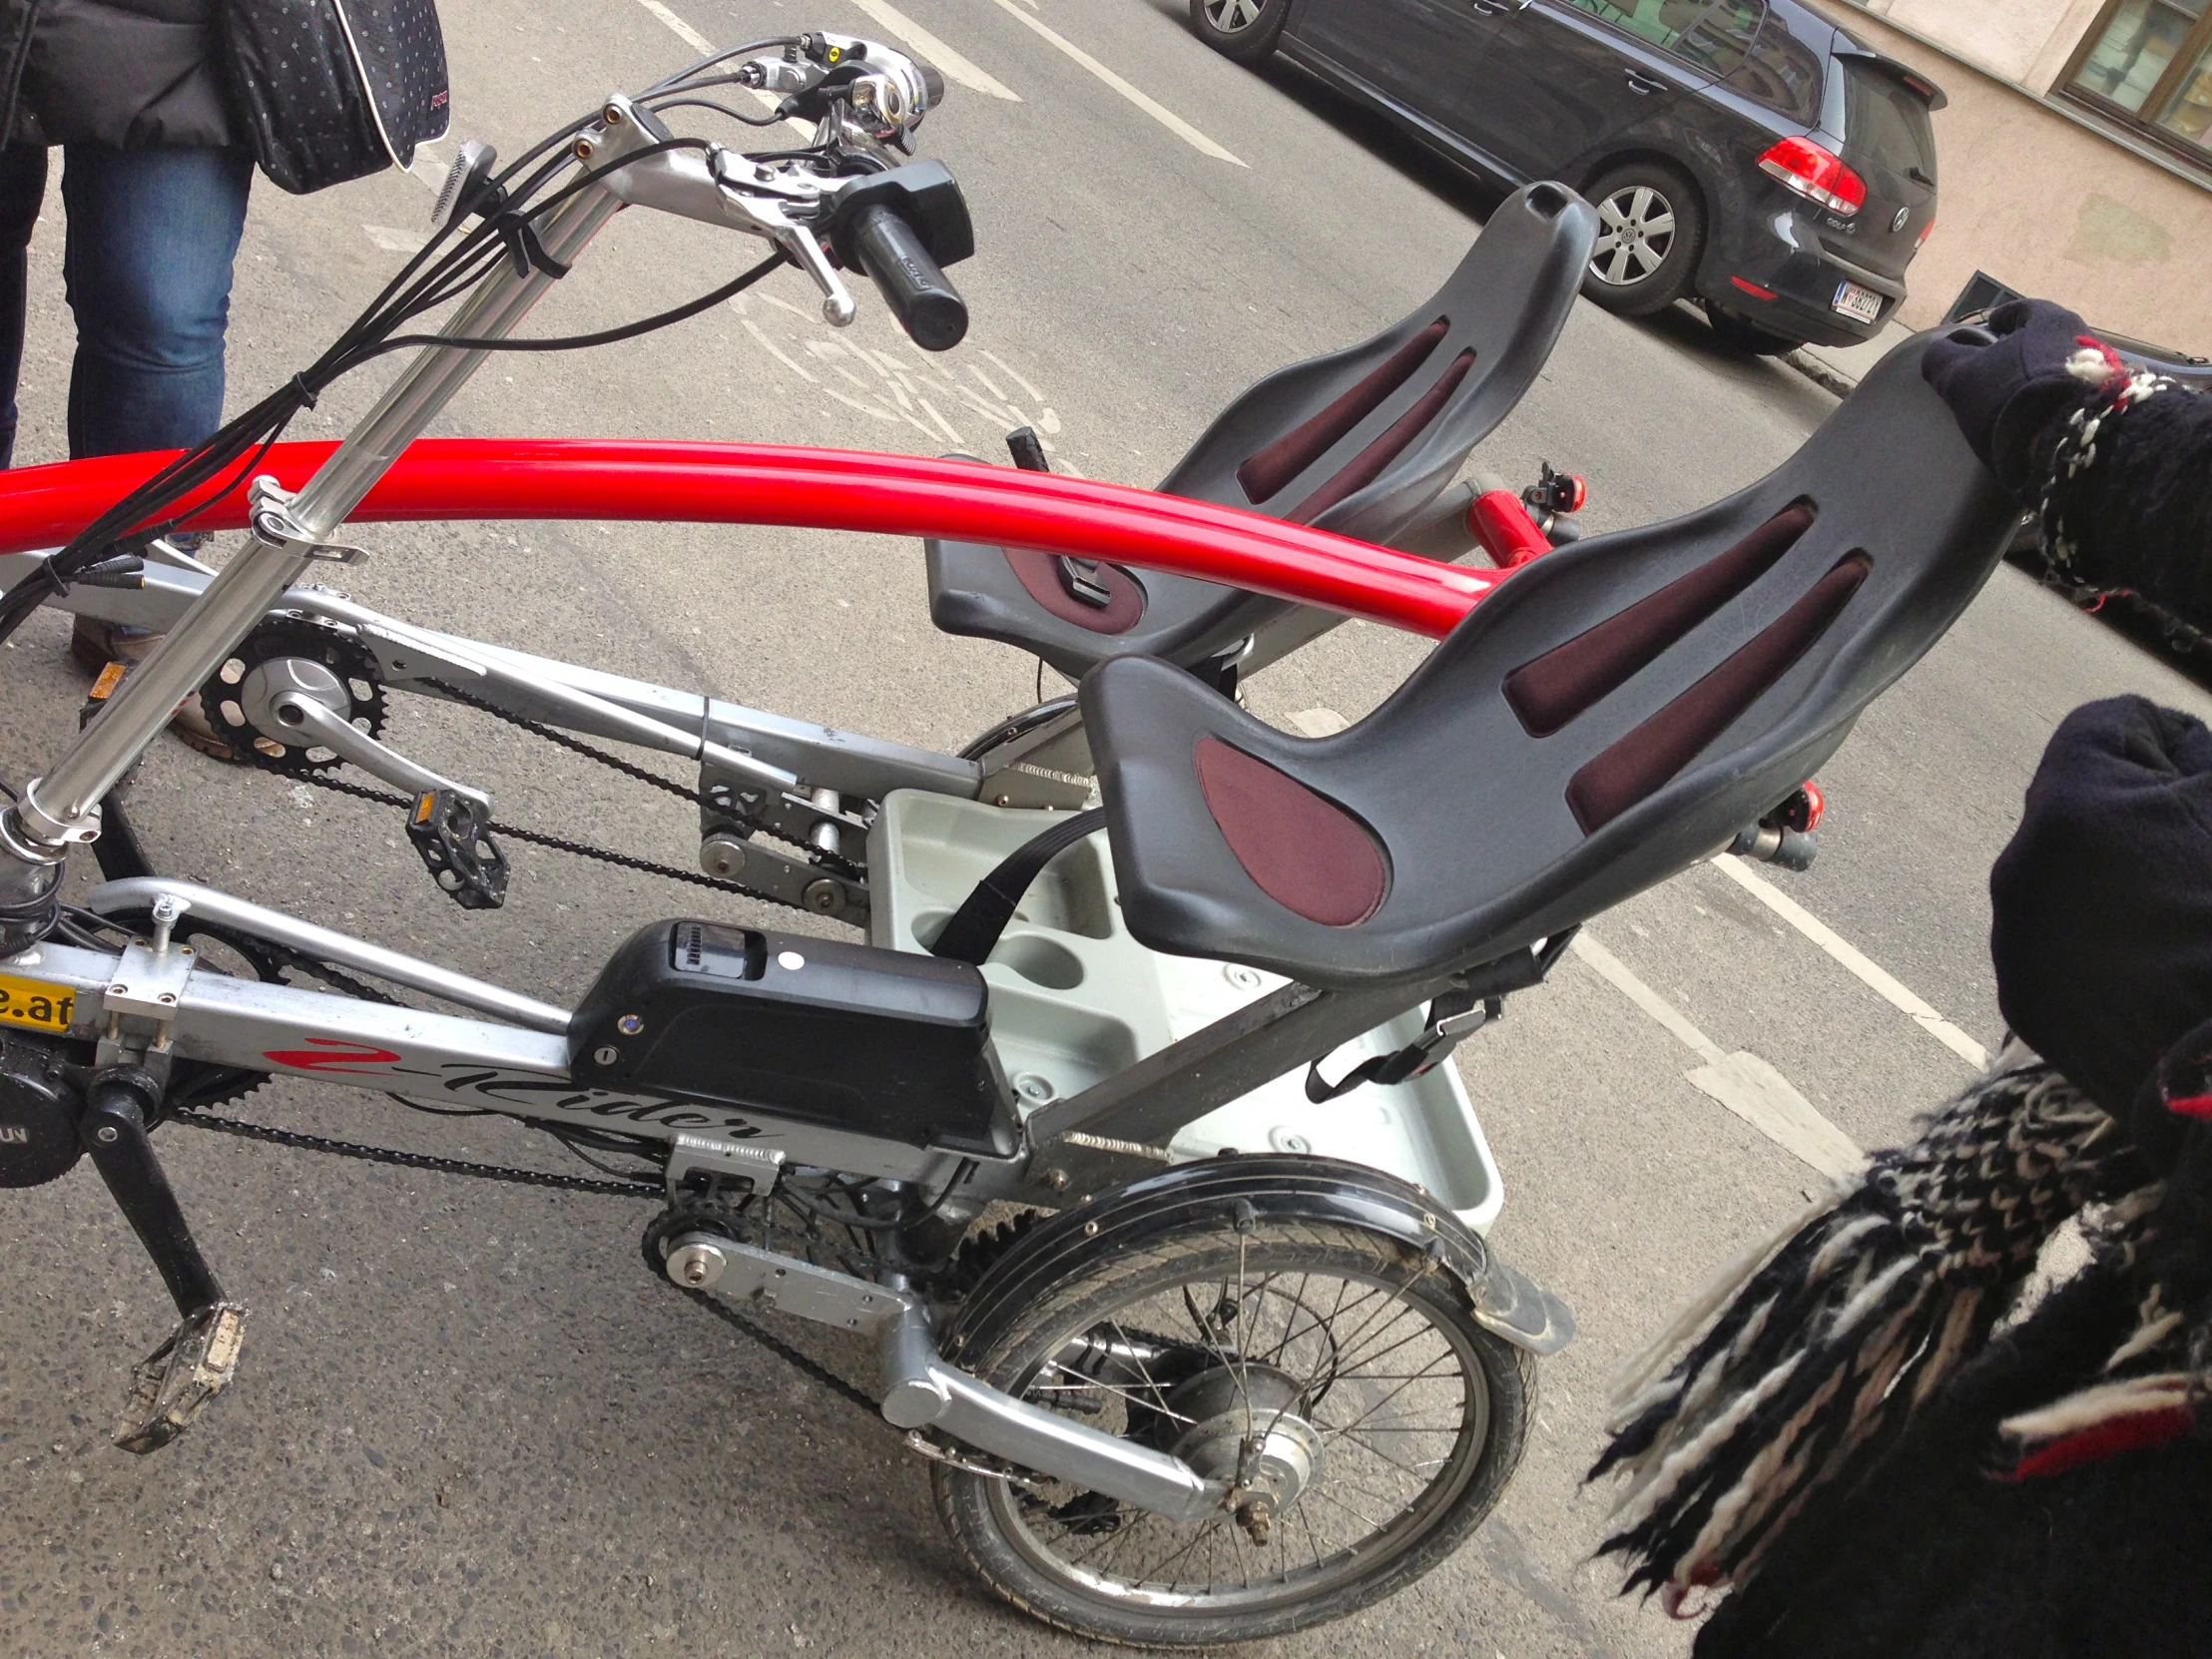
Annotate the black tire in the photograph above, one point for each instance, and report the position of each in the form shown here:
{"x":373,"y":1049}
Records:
{"x":1740,"y":335}
{"x":1651,"y":233}
{"x":1242,"y":30}
{"x":1018,"y":1340}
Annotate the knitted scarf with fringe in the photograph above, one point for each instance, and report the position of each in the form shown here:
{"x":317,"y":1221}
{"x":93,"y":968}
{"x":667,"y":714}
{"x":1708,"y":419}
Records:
{"x":1827,"y":1339}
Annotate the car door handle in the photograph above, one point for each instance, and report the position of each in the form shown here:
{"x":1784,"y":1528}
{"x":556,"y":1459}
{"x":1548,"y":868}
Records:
{"x":1643,"y":85}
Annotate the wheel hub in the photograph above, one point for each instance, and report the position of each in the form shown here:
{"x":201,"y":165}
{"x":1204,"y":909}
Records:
{"x":1244,"y":1431}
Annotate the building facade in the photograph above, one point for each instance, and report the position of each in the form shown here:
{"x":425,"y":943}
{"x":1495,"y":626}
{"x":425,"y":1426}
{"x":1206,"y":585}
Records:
{"x":2075,"y":157}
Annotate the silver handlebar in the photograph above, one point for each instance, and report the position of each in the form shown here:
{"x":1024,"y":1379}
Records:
{"x":779,"y":199}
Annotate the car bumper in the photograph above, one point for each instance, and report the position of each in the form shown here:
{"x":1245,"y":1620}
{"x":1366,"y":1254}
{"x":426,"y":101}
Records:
{"x":1777,"y":274}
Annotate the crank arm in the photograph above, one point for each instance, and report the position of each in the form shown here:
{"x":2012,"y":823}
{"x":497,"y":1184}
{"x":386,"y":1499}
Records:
{"x":923,"y":1390}
{"x":303,"y":717}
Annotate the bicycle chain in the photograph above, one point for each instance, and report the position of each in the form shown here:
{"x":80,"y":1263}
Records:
{"x":535,"y":837}
{"x":791,"y":1356}
{"x":413,"y":1160}
{"x":607,"y":1187}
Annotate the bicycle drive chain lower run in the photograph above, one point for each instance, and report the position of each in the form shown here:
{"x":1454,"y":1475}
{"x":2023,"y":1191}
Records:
{"x":300,"y":637}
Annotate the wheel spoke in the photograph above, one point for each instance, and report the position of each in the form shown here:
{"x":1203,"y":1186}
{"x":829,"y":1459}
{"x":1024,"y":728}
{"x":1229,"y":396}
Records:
{"x":1385,"y":1458}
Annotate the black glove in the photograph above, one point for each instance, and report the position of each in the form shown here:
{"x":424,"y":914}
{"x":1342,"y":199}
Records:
{"x":2006,"y":395}
{"x":2101,"y":928}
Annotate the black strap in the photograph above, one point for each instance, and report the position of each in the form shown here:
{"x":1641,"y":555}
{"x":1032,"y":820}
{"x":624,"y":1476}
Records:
{"x":1451,"y":1016}
{"x":974,"y":931}
{"x":1480,"y":998}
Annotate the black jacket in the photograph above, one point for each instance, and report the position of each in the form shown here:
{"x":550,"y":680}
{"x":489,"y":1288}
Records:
{"x":129,"y":74}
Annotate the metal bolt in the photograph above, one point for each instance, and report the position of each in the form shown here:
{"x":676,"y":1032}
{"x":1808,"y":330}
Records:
{"x":629,"y":1025}
{"x":1004,"y":800}
{"x":821,"y":896}
{"x":104,"y":1134}
{"x":606,"y":1055}
{"x":1057,"y":1179}
{"x":721,"y":854}
{"x":169,"y":996}
{"x":1090,"y":1230}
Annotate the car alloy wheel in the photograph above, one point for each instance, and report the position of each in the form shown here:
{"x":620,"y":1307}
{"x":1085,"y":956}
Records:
{"x":1233,"y":17}
{"x":1635,"y":235}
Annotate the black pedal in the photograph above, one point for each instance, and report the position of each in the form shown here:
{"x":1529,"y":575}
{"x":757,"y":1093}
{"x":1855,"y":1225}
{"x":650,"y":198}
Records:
{"x":453,"y":834}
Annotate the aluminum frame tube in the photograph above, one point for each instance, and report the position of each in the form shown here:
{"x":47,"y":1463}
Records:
{"x":55,"y":806}
{"x":327,"y":944}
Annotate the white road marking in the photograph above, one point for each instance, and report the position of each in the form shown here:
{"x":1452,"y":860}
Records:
{"x":396,"y":241}
{"x":1743,"y":1083}
{"x":1854,"y":963}
{"x":1316,"y":723}
{"x":698,"y":43}
{"x":770,"y":347}
{"x":955,"y":67}
{"x":1035,"y":396}
{"x":1165,"y":117}
{"x":690,"y":36}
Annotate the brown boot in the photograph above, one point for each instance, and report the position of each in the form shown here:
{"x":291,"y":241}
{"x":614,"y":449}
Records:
{"x":94,"y":644}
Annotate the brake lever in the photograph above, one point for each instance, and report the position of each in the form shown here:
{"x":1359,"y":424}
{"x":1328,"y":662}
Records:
{"x":803,"y":250}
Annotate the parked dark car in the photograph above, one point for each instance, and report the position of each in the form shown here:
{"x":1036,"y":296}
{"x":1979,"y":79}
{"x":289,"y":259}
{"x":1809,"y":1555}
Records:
{"x":1748,"y":154}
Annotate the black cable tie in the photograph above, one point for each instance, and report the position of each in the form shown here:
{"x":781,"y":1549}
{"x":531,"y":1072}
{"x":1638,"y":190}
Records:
{"x":520,"y":238}
{"x":303,"y":391}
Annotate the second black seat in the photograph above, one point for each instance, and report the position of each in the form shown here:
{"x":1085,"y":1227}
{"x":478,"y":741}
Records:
{"x":1358,"y":442}
{"x":1614,"y":713}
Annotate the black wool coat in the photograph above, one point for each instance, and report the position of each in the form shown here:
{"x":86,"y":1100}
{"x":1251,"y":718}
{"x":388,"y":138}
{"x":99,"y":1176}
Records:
{"x":126,"y":74}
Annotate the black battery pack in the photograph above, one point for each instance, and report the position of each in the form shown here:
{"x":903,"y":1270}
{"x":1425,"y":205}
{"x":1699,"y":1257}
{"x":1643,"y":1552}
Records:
{"x":872,"y":1042}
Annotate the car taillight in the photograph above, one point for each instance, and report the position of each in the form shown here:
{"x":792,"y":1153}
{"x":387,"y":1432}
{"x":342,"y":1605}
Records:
{"x":1816,"y":175}
{"x":1920,"y":242}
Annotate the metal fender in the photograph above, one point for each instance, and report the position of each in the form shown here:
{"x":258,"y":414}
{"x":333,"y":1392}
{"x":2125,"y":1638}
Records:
{"x":1506,"y":1303}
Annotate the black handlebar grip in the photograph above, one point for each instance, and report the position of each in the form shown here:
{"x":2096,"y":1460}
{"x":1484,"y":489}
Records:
{"x":927,"y":306}
{"x":932,"y":84}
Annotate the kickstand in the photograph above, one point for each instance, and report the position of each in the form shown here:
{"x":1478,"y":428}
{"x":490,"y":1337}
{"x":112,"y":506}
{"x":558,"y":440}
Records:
{"x":171,"y":1383}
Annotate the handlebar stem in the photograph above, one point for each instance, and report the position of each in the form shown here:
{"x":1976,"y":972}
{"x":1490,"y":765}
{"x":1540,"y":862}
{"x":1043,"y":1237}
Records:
{"x":62,"y":807}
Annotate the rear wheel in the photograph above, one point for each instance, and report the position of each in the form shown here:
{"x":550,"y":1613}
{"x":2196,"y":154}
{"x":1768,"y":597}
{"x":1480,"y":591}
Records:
{"x":1245,"y":30}
{"x":1741,"y":334}
{"x":1336,"y":1376}
{"x":1651,"y":230}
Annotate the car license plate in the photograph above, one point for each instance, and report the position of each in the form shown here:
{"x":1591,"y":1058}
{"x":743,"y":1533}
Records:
{"x":1862,"y":303}
{"x":41,"y":1007}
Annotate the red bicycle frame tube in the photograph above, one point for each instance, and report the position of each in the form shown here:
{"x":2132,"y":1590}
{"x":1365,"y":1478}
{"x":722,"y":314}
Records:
{"x":822,"y":489}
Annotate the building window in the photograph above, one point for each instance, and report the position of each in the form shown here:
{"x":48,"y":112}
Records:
{"x":2148,"y":64}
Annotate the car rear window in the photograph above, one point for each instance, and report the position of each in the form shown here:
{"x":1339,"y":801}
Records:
{"x":1723,"y":37}
{"x":1781,"y":71}
{"x":1886,"y":121}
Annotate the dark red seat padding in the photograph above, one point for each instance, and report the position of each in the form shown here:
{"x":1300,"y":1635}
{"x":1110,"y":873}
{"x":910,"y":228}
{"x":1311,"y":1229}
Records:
{"x":1302,"y":849}
{"x":1614,"y":713}
{"x":1552,"y":688}
{"x":1358,"y":442}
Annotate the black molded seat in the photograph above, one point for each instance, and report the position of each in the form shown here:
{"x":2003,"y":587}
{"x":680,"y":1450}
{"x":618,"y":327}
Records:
{"x":1615,"y":711}
{"x":1357,"y":443}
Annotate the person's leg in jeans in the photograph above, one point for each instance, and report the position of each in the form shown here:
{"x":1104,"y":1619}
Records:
{"x":151,"y":237}
{"x":22,"y":189}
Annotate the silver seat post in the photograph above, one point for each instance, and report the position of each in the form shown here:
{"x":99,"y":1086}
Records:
{"x":62,"y":807}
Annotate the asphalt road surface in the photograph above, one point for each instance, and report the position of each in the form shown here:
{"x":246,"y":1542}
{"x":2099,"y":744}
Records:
{"x":467,"y":1422}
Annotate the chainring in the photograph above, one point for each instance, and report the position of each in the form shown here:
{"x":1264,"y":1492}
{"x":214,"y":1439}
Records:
{"x":355,"y":666}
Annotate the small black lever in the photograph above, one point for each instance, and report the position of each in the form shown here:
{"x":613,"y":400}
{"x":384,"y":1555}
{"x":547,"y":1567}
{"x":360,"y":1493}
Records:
{"x":1085,"y":579}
